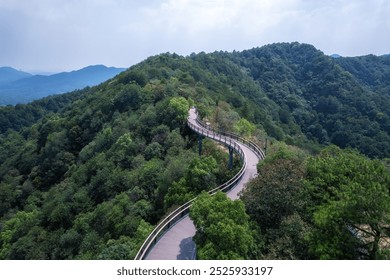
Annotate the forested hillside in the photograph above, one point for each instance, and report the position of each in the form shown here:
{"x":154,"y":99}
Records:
{"x":87,"y":174}
{"x":328,"y":103}
{"x":371,"y":71}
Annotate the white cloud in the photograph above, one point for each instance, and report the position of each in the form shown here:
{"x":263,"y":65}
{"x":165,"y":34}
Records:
{"x":67,"y":34}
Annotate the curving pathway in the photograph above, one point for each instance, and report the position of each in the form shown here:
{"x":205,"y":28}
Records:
{"x":176,"y":243}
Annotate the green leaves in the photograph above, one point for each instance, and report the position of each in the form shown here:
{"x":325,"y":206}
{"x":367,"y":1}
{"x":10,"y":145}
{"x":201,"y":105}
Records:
{"x":332,"y":206}
{"x":274,"y":201}
{"x":275,"y":193}
{"x":179,"y":107}
{"x":222,"y":228}
{"x":199,"y":176}
{"x":124,"y":142}
{"x":244,"y":127}
{"x":14,"y":229}
{"x":350,"y":204}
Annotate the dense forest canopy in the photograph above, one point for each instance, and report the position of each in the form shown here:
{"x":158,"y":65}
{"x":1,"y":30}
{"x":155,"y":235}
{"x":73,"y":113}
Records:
{"x":86,"y":175}
{"x":327,"y":100}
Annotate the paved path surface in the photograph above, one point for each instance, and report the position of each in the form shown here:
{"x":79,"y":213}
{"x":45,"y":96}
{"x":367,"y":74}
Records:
{"x":177,"y":243}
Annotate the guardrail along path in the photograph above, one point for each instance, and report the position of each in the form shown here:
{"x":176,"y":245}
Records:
{"x":172,"y":237}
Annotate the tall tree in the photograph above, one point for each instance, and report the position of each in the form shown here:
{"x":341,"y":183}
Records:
{"x":274,"y":202}
{"x":179,"y":106}
{"x":273,"y":195}
{"x":350,"y":204}
{"x":222,"y":225}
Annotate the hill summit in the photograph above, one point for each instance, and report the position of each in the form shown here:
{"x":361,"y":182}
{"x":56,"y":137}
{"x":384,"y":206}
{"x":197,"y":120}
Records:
{"x":8,"y":74}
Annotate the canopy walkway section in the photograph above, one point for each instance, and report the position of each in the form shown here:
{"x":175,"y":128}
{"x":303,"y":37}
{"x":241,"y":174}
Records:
{"x":172,"y":237}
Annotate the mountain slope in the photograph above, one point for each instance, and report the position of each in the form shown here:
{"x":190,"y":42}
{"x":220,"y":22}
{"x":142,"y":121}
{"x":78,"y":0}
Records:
{"x":90,"y":177}
{"x":371,"y":71}
{"x":8,"y":74}
{"x":89,"y":172}
{"x":34,"y":87}
{"x":329,"y":104}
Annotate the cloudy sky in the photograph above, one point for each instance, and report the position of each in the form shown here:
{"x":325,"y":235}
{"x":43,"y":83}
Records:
{"x":63,"y":35}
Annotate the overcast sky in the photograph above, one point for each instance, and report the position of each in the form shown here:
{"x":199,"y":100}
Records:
{"x":63,"y":35}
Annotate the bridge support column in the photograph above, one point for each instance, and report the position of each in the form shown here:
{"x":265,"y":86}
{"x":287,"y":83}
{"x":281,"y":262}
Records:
{"x":231,"y":150}
{"x":200,"y":143}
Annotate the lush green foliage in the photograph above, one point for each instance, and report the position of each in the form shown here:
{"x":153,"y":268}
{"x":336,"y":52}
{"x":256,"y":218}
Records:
{"x":370,"y":70}
{"x":329,"y":104}
{"x":332,"y":206}
{"x":85,"y":175}
{"x":350,"y":203}
{"x":20,"y":116}
{"x":222,"y":225}
{"x":89,"y":178}
{"x":274,"y":202}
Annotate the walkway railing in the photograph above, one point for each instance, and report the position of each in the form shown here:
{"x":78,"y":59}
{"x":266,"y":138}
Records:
{"x":254,"y":147}
{"x":217,"y":135}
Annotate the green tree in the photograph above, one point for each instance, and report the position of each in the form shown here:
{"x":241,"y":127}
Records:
{"x":120,"y":249}
{"x":288,"y":242}
{"x":274,"y":202}
{"x":275,"y":194}
{"x":122,"y":150}
{"x":15,"y":228}
{"x":244,"y":127}
{"x":178,"y":194}
{"x":200,"y":174}
{"x":350,"y":200}
{"x":222,"y":225}
{"x":179,"y":107}
{"x":153,"y":150}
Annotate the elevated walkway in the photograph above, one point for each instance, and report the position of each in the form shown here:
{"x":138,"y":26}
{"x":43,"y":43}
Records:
{"x":172,"y":237}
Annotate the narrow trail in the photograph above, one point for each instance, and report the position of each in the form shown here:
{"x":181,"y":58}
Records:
{"x":172,"y":238}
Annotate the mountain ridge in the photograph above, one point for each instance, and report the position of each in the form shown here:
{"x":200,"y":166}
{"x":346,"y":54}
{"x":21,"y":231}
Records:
{"x":9,"y":74}
{"x":27,"y":88}
{"x":85,"y":175}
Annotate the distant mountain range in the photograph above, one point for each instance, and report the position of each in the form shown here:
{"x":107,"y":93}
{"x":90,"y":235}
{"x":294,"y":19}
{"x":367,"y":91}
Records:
{"x":20,"y":87}
{"x":8,"y":74}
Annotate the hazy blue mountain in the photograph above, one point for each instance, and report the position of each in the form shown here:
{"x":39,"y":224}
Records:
{"x":31,"y":87}
{"x":8,"y":74}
